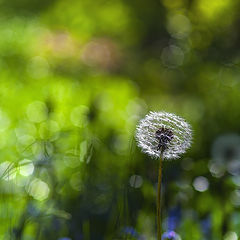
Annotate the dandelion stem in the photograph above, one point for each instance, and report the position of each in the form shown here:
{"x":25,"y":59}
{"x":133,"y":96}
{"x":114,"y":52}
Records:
{"x":159,"y":228}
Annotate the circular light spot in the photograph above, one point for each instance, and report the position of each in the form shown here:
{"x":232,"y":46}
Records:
{"x":231,"y":236}
{"x":25,"y":128}
{"x":39,"y":148}
{"x":25,"y":140}
{"x":24,"y":144}
{"x":37,"y":111}
{"x":236,"y":180}
{"x":233,"y":167}
{"x":135,"y":181}
{"x":75,"y":181}
{"x":201,"y":184}
{"x":217,"y":169}
{"x":172,"y":56}
{"x":4,"y":121}
{"x":226,"y":148}
{"x":235,"y":198}
{"x":49,"y":130}
{"x":38,"y":67}
{"x":179,"y":26}
{"x":7,"y":171}
{"x":38,"y":189}
{"x":78,"y":115}
{"x":26,"y":167}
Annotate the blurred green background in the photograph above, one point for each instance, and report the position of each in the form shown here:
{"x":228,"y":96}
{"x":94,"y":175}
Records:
{"x":75,"y":78}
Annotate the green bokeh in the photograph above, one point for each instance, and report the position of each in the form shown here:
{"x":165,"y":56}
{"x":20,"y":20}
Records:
{"x":75,"y":78}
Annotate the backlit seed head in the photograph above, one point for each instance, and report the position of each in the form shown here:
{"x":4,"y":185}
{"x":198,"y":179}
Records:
{"x":163,"y":132}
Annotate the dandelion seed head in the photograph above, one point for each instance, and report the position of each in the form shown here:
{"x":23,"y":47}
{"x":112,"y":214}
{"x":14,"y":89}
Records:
{"x":163,"y":132}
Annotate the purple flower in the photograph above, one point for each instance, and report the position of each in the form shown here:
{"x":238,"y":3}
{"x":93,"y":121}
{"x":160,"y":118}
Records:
{"x":130,"y":231}
{"x":170,"y":235}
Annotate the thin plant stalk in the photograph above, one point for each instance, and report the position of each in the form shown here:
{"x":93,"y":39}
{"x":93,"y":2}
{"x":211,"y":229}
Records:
{"x":162,"y":132}
{"x":159,"y":227}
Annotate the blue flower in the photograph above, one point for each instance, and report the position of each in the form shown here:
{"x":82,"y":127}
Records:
{"x":206,"y":226}
{"x":170,"y":235}
{"x":174,"y":218}
{"x":130,"y":231}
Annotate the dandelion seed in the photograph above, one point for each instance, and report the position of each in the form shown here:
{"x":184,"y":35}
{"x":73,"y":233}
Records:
{"x":163,"y":132}
{"x":165,"y":136}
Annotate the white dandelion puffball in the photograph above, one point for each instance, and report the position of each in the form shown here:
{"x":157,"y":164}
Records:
{"x":163,"y":132}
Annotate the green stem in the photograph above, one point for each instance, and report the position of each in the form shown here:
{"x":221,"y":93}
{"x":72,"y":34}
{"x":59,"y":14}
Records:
{"x":159,"y":228}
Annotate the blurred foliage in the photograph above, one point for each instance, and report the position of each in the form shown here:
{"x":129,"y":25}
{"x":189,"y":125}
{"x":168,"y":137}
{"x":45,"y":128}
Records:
{"x":76,"y":76}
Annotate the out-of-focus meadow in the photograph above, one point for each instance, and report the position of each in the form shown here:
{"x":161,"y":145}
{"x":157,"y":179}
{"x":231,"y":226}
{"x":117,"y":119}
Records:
{"x":75,"y":78}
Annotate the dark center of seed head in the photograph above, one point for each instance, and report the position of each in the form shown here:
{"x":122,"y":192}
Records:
{"x":164,"y":136}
